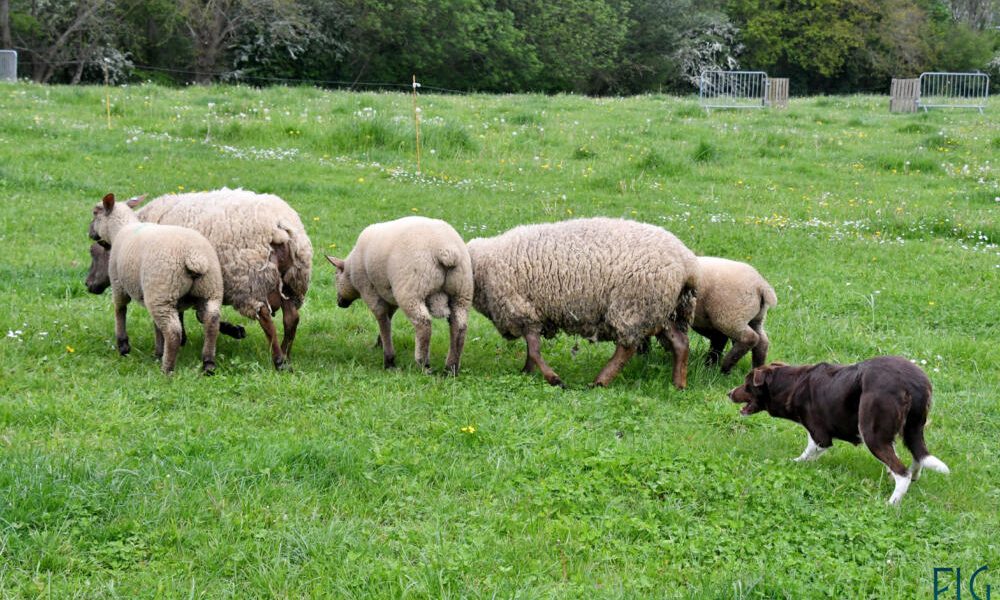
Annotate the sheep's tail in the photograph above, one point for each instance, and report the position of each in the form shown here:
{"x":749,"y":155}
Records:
{"x":446,"y":257}
{"x":767,"y":297}
{"x":197,"y":264}
{"x":295,"y":278}
{"x":684,"y":309}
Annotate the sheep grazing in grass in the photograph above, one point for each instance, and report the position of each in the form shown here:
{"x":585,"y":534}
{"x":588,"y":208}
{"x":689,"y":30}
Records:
{"x":603,"y":279}
{"x":420,"y":265}
{"x":733,"y":300}
{"x":265,"y":254}
{"x":165,"y":268}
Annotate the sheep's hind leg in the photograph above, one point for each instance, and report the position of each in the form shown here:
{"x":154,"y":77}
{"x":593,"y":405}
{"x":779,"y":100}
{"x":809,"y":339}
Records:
{"x":121,"y":332}
{"x":674,"y":339}
{"x":534,"y":342}
{"x":614,"y":367}
{"x":167,"y":321}
{"x":208,"y":314}
{"x":742,"y":343}
{"x":458,"y":324}
{"x":759,"y":353}
{"x":158,"y":351}
{"x":421,"y":319}
{"x":267,"y":324}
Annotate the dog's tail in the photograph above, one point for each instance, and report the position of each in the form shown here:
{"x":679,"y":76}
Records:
{"x":934,"y":464}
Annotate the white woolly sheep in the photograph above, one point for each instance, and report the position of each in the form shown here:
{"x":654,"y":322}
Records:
{"x":733,"y":300}
{"x":603,"y":279}
{"x":265,"y":254}
{"x":418,"y":264}
{"x":165,"y":268}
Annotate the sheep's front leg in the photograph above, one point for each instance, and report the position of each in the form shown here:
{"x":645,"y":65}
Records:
{"x":674,"y":339}
{"x":121,"y":334}
{"x":421,"y":319}
{"x":534,"y":342}
{"x":383,"y":315}
{"x":166,"y":320}
{"x":458,"y":323}
{"x":290,"y":320}
{"x":742,"y":344}
{"x":267,"y":324}
{"x":614,"y":367}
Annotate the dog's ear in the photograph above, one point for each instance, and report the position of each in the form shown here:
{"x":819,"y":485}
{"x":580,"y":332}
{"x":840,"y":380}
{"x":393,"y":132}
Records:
{"x":762,"y":375}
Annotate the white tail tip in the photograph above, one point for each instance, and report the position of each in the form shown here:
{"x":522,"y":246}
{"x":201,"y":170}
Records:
{"x":932,"y":463}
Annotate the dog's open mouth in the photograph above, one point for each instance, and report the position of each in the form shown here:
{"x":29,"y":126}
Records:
{"x":748,"y":409}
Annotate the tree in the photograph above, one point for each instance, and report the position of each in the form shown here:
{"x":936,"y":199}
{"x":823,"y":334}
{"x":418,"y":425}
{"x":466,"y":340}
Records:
{"x":56,"y":35}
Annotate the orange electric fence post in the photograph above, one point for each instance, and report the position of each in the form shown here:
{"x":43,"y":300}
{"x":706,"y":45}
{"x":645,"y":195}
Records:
{"x":416,"y":119}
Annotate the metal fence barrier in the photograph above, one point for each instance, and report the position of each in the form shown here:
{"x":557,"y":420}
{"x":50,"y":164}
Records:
{"x":8,"y":65}
{"x":733,"y":89}
{"x":954,"y":90}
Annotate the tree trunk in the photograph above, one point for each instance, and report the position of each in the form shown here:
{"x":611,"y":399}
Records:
{"x":5,"y":39}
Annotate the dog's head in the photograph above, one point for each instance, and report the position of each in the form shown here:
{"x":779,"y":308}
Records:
{"x":755,"y":393}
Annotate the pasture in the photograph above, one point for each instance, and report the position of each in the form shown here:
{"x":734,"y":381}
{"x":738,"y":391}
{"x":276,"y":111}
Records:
{"x":339,"y":479}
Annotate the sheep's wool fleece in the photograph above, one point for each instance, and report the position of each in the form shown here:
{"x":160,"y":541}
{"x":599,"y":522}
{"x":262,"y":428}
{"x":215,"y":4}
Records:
{"x":409,"y":260}
{"x":242,"y":226}
{"x":153,"y":265}
{"x":604,"y":279}
{"x":731,"y":293}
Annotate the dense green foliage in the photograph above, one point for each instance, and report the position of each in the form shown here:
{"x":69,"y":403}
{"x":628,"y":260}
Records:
{"x":339,"y":479}
{"x":598,"y":47}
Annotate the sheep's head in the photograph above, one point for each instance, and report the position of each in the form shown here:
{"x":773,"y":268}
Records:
{"x":346,"y":292}
{"x":106,"y":220}
{"x":98,"y":279}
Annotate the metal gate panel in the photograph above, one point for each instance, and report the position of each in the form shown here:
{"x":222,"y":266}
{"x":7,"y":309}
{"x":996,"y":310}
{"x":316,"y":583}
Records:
{"x":733,"y":89}
{"x":8,"y":65}
{"x":954,"y":90}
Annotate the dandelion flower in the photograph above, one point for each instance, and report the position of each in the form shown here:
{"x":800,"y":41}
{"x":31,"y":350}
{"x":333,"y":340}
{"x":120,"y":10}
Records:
{"x":468,"y":429}
{"x":70,"y":349}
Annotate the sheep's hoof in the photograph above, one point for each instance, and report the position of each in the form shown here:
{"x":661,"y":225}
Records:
{"x":389,"y":362}
{"x":554,"y":380}
{"x":599,"y":383}
{"x":281,"y":364}
{"x":237,"y":332}
{"x":208,"y":368}
{"x":451,"y":370}
{"x":124,"y":347}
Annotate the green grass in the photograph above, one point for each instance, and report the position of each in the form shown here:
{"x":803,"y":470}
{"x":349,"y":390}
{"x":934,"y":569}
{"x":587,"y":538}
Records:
{"x":340,"y":479}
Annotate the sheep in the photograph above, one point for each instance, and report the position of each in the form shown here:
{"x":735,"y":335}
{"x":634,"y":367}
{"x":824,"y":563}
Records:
{"x":265,"y":254}
{"x":733,"y":300}
{"x":418,"y":264}
{"x":165,"y":268}
{"x":603,"y":279}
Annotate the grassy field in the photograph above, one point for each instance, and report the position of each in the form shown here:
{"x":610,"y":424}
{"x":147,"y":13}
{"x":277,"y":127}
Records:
{"x":879,"y":233}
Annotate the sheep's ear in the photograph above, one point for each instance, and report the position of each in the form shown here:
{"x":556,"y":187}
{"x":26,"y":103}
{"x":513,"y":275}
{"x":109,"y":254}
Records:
{"x":133,"y":202}
{"x":109,"y":203}
{"x":336,"y":262}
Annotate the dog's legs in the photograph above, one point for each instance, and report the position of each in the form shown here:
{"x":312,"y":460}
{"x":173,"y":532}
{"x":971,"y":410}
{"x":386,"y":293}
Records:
{"x":812,"y":451}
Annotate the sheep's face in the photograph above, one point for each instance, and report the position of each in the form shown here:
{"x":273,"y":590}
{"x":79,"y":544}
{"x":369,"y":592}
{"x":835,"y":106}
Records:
{"x":346,"y":292}
{"x":98,"y":279}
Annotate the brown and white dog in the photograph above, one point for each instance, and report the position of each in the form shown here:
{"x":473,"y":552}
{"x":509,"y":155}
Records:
{"x":871,"y":401}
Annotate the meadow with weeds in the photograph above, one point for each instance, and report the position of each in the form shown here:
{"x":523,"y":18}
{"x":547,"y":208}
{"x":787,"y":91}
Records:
{"x":339,"y":479}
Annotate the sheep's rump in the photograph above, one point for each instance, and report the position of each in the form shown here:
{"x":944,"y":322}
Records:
{"x":249,"y":232}
{"x":603,"y":279}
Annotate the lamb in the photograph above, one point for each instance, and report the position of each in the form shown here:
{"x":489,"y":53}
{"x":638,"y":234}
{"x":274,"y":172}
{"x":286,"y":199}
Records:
{"x":603,"y":279}
{"x":733,"y":301}
{"x":265,"y":254}
{"x":165,"y":268}
{"x":418,"y":264}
